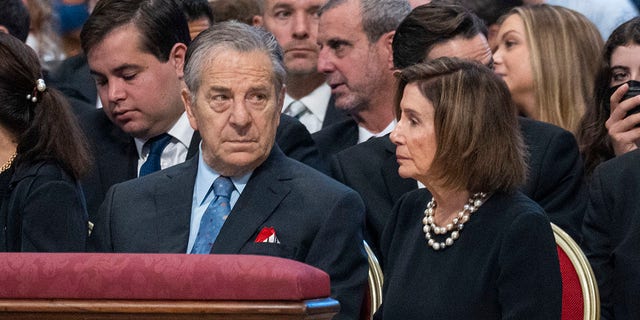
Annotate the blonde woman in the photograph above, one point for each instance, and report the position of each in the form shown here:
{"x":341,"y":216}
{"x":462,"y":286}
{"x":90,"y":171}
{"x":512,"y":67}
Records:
{"x":549,"y":56}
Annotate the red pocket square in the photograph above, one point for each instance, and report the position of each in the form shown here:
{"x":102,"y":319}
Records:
{"x":267,"y":234}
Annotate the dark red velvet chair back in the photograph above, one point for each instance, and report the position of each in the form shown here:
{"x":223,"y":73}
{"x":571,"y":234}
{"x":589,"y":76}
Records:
{"x":161,"y":286}
{"x":572,"y":301}
{"x":580,"y":299}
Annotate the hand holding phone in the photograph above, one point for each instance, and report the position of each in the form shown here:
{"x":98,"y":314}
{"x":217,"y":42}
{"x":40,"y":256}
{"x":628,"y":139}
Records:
{"x":623,"y":132}
{"x":634,"y":90}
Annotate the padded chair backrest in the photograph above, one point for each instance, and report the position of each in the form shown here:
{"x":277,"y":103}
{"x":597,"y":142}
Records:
{"x":158,"y":277}
{"x":373,"y":296}
{"x":580,"y":298}
{"x":161,"y":286}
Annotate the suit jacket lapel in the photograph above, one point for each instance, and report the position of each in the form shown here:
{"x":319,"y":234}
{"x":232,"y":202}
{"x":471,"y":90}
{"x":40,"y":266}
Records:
{"x":122,"y":161}
{"x":345,"y":136}
{"x":396,"y":185}
{"x":261,"y":196}
{"x":333,"y":114}
{"x":128,"y":154}
{"x":131,"y":154}
{"x":194,"y":145}
{"x":351,"y":134}
{"x":173,"y":199}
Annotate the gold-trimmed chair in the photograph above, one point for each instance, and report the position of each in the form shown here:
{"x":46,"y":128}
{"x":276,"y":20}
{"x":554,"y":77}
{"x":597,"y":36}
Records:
{"x":580,"y":298}
{"x":373,"y":296}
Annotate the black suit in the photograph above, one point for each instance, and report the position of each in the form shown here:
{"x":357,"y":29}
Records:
{"x":371,"y":169}
{"x":333,"y":115}
{"x":555,"y":178}
{"x":317,"y":220}
{"x":612,"y":235}
{"x":116,"y":157}
{"x":42,"y":209}
{"x":336,"y":137}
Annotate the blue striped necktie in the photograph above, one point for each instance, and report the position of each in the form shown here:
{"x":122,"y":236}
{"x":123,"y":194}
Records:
{"x":156,"y":146}
{"x":213,"y":218}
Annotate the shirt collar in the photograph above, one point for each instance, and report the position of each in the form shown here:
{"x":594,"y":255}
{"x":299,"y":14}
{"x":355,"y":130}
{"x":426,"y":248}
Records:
{"x":364,"y":134}
{"x":180,"y":131}
{"x":205,"y":177}
{"x":316,"y":101}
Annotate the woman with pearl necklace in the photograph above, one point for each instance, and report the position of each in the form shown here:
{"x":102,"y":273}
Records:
{"x":469,"y":245}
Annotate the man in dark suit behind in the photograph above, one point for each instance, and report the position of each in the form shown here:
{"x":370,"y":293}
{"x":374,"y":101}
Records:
{"x":295,"y":24}
{"x":611,"y":235}
{"x":135,"y":51}
{"x":278,"y":206}
{"x":555,"y":179}
{"x":355,"y":55}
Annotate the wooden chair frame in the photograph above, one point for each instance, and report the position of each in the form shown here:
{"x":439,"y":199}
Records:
{"x":67,"y":309}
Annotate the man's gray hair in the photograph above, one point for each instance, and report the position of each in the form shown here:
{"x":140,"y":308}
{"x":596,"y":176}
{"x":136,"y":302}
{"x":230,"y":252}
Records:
{"x":378,"y":16}
{"x":236,"y":36}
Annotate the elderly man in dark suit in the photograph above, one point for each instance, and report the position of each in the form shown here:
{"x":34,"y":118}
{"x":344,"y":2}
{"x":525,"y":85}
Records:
{"x":555,"y":179}
{"x":135,"y":52}
{"x":241,"y":194}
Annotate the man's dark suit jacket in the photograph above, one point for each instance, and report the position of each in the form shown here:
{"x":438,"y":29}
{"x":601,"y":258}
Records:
{"x":317,"y":220}
{"x":116,"y":157}
{"x":555,"y":179}
{"x":612,"y":235}
{"x":336,"y":137}
{"x":333,"y":115}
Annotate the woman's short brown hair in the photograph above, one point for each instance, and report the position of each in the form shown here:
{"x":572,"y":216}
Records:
{"x":479,"y":144}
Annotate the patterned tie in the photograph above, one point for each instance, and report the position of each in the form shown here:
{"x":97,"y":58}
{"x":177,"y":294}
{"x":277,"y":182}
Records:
{"x":296,"y":109}
{"x":214,"y":216}
{"x":156,"y":145}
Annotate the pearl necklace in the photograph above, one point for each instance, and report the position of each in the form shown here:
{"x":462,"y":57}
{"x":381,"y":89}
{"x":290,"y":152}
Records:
{"x":456,"y":225}
{"x":8,"y":164}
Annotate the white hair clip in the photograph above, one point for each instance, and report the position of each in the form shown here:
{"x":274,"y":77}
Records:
{"x":40,"y":87}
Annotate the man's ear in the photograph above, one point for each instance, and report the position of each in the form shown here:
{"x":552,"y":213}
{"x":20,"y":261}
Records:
{"x":257,"y":21}
{"x":177,"y":56}
{"x":281,"y":96}
{"x":188,"y":106}
{"x":280,"y":104}
{"x":386,"y":41}
{"x":4,"y":29}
